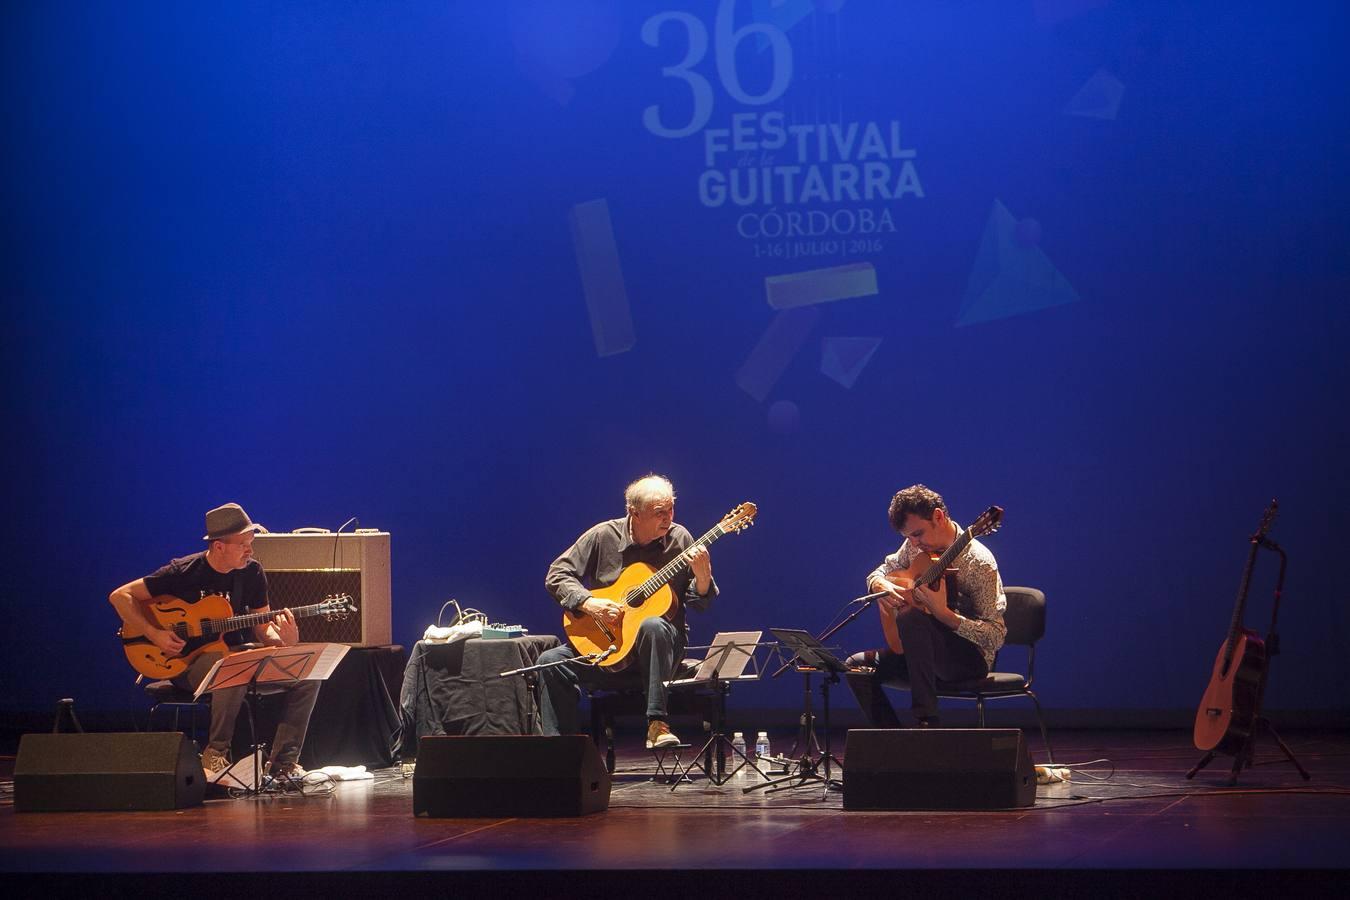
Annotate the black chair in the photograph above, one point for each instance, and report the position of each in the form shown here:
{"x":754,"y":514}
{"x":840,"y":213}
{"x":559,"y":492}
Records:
{"x":1025,"y":619}
{"x":167,"y":697}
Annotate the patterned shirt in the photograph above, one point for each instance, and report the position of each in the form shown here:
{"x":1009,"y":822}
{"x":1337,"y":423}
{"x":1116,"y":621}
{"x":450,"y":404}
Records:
{"x":979,"y":592}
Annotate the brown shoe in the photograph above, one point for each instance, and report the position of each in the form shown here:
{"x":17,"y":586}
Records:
{"x":214,"y":762}
{"x":659,"y":735}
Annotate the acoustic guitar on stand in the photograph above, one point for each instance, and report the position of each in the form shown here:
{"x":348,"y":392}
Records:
{"x":1228,"y":709}
{"x":202,"y":626}
{"x":644,"y":594}
{"x":929,"y":571}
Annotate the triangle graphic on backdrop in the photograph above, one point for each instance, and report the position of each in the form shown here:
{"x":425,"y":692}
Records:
{"x":1009,"y":277}
{"x":1098,"y":98}
{"x":843,"y":358}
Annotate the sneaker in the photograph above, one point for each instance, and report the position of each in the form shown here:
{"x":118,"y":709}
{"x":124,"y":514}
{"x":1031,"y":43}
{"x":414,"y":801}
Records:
{"x":293,"y":772}
{"x":659,"y":735}
{"x":214,"y":762}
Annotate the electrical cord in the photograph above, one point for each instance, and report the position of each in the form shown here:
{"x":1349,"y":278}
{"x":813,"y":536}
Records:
{"x":338,"y":534}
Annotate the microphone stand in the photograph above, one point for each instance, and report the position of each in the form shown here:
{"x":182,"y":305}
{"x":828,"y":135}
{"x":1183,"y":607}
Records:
{"x":531,"y":673}
{"x":806,"y":743}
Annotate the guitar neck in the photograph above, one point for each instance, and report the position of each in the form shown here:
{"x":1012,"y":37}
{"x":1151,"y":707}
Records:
{"x":672,"y":569}
{"x":944,"y":562}
{"x":249,"y":620}
{"x":1240,"y":607}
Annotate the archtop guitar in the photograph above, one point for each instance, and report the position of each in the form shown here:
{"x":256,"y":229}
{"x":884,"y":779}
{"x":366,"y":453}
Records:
{"x":202,"y":625}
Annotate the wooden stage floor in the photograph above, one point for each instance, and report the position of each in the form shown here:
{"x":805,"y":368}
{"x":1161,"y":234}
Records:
{"x":1119,"y":822}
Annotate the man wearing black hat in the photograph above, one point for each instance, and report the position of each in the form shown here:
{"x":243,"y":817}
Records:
{"x":225,"y":568}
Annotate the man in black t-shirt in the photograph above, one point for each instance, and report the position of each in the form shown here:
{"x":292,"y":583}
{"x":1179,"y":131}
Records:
{"x":226,"y":568}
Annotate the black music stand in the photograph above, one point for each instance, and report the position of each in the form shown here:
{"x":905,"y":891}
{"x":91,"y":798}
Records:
{"x":810,"y":656}
{"x":806,"y":741}
{"x":281,"y":666}
{"x":729,"y":655}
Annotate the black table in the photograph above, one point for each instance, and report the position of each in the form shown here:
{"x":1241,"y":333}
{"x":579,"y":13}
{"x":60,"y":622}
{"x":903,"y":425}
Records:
{"x":454,"y":689}
{"x":354,"y":722}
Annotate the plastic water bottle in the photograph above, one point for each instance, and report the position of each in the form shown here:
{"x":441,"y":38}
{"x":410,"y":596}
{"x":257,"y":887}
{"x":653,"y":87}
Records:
{"x":762,"y":746}
{"x":737,"y":744}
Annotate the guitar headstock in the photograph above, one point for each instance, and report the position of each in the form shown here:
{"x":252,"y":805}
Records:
{"x":740,"y":518}
{"x":1267,"y":520}
{"x":988,"y":522}
{"x":336,"y":606}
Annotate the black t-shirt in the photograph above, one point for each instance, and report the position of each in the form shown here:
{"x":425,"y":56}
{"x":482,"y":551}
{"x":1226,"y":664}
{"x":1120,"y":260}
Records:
{"x":191,"y":578}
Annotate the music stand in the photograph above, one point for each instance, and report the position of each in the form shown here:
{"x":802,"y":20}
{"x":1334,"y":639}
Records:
{"x":729,"y":655}
{"x":811,"y":655}
{"x":283,"y":666}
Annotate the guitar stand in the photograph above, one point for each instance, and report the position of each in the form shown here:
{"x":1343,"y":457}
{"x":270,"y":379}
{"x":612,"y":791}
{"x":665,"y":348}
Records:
{"x":1245,"y":755}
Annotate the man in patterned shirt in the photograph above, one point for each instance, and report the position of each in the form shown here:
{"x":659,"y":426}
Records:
{"x":936,"y":641}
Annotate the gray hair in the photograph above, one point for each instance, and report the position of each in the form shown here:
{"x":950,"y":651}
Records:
{"x":648,"y":489}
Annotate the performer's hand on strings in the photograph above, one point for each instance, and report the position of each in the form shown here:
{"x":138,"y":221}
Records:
{"x":169,"y":643}
{"x":896,"y":599}
{"x":602,"y":610}
{"x":287,"y":629}
{"x":700,"y":563}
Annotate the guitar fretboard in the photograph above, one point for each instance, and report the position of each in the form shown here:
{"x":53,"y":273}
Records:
{"x":944,"y":562}
{"x":249,"y":620}
{"x":670,"y":570}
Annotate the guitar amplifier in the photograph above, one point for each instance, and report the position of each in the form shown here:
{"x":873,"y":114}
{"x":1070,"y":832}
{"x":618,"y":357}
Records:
{"x":305,"y":566}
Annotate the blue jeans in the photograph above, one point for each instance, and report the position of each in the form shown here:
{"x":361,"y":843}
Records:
{"x":653,"y":663}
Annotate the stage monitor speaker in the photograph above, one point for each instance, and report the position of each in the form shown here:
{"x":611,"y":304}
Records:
{"x":508,"y":776}
{"x":117,"y":771}
{"x":937,"y":768}
{"x":305,"y":567}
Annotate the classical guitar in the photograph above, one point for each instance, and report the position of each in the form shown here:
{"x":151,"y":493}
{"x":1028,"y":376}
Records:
{"x":928,"y":571}
{"x":644,"y":594}
{"x":202,"y":625}
{"x":1228,"y":709}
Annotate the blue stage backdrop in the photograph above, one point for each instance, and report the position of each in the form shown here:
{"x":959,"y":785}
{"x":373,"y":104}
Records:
{"x":465,"y":269}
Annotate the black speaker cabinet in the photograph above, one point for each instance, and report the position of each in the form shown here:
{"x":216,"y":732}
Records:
{"x":476,"y":776}
{"x":937,"y":768}
{"x":138,"y":770}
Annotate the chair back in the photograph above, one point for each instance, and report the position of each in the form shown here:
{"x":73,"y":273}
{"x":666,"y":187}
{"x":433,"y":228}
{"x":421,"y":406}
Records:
{"x":1024,"y":616}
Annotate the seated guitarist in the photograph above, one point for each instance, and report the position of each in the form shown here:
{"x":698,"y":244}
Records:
{"x":934,"y":640}
{"x":226,"y":568}
{"x":647,"y":534}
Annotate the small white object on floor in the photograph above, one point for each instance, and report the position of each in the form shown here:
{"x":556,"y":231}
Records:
{"x":344,"y":773}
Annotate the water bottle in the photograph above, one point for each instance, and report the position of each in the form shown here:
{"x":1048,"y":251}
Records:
{"x":762,"y":746}
{"x":738,"y":744}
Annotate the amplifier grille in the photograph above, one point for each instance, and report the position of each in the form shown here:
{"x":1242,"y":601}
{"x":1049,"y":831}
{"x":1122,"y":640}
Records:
{"x":302,"y":587}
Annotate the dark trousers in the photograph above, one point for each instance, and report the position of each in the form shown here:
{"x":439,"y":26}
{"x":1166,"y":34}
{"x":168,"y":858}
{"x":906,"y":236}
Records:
{"x":932,"y":651}
{"x":653,"y":654}
{"x":226,"y":703}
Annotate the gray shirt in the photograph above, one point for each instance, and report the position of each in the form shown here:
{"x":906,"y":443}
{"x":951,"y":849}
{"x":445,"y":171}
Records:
{"x":601,"y":554}
{"x":979,"y":593}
